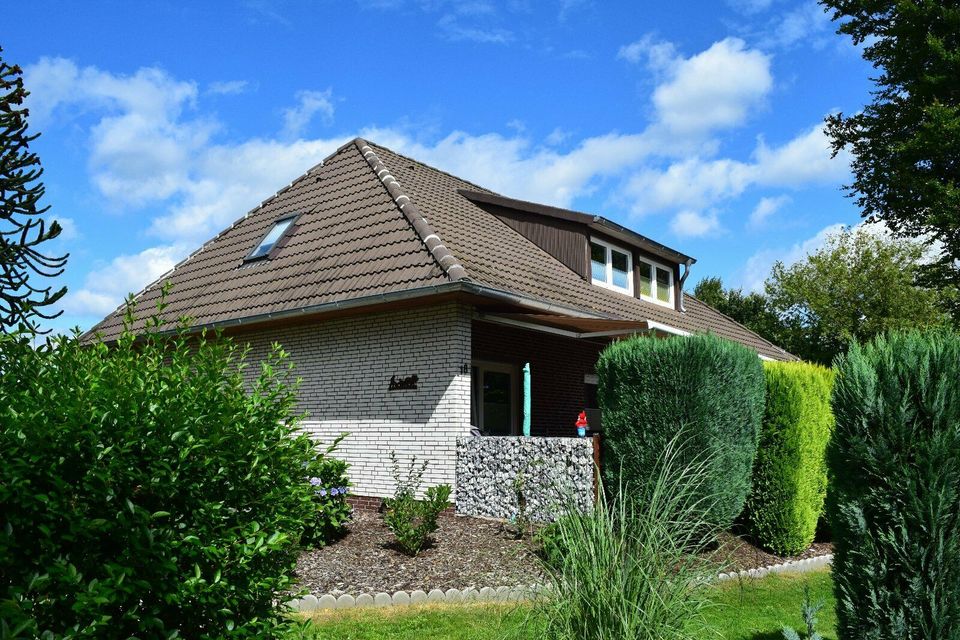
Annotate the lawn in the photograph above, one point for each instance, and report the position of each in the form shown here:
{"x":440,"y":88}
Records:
{"x":744,"y":610}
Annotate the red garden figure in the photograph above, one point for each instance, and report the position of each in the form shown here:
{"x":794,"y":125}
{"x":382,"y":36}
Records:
{"x":582,"y":424}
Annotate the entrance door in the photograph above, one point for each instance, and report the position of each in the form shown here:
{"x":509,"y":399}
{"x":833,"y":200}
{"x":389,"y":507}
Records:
{"x":493,"y":402}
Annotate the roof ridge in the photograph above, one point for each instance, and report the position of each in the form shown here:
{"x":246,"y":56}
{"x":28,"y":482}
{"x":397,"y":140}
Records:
{"x":433,"y":168}
{"x":448,"y":262}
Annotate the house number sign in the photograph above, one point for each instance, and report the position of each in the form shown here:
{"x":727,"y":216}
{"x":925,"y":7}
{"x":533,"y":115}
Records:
{"x":396,"y":384}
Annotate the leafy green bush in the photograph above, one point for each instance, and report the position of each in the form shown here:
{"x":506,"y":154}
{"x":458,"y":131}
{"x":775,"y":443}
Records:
{"x":894,"y":496}
{"x":630,"y":568}
{"x":145,"y":491}
{"x":332,"y":512}
{"x":412,"y":521}
{"x":705,"y":388}
{"x":790,"y":474}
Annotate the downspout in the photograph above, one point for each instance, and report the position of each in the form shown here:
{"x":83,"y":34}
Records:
{"x":683,"y":279}
{"x":526,"y":400}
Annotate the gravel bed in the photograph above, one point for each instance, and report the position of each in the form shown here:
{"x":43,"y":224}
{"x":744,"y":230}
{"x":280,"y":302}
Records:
{"x":468,"y":552}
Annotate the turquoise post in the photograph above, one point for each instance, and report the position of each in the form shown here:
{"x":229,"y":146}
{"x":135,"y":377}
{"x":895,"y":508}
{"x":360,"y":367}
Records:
{"x":526,"y":400}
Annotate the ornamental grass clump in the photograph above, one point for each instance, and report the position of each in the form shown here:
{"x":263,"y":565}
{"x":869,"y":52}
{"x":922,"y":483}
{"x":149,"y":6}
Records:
{"x":790,"y":472}
{"x":147,"y":490}
{"x":706,"y":388}
{"x":894,"y":498}
{"x":629,"y":568}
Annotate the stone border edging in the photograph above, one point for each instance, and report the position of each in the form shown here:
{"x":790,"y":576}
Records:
{"x":794,"y":566}
{"x":328,"y":601}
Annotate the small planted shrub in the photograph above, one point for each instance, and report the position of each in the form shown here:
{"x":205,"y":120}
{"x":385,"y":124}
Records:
{"x":630,"y":568}
{"x":894,"y":496}
{"x":790,"y":473}
{"x":709,"y":390}
{"x":412,"y":521}
{"x":810,"y":611}
{"x":330,"y":490}
{"x":146,"y":491}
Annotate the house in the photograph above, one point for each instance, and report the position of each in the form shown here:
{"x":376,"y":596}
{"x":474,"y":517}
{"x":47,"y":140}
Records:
{"x":410,"y":299}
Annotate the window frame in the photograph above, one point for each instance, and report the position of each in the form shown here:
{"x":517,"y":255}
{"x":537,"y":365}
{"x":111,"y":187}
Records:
{"x":607,"y":281}
{"x":654,"y":286}
{"x":292,"y":218}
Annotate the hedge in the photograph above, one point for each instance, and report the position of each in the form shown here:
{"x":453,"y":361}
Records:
{"x":790,"y":475}
{"x":146,"y":491}
{"x":704,"y":390}
{"x":894,"y":497}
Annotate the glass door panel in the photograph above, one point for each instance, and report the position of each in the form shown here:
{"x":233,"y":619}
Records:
{"x":497,"y":409}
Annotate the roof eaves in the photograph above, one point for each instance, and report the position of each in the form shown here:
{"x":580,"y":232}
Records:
{"x":448,"y":262}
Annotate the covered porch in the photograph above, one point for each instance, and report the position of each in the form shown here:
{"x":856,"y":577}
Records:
{"x":562,"y":352}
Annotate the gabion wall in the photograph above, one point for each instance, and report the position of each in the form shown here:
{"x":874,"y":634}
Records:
{"x":552,"y":471}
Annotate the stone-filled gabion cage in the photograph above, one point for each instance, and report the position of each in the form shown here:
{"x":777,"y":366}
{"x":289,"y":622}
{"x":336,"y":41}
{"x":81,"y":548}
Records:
{"x":548,"y":472}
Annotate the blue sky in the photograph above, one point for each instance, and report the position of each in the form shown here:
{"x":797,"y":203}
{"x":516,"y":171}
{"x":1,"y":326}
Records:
{"x":697,"y":123}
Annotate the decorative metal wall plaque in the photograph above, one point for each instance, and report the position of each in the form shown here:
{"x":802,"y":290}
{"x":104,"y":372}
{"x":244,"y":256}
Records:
{"x":396,"y":384}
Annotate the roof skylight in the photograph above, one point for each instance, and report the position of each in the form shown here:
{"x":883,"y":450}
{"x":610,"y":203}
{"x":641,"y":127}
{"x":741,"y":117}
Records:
{"x":269,"y":241}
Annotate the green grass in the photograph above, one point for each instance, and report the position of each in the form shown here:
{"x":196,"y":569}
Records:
{"x":757,"y":609}
{"x":743,"y":610}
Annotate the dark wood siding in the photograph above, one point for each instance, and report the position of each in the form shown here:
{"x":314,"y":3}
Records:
{"x":565,"y":241}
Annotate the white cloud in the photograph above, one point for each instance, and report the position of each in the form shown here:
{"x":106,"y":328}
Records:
{"x":697,"y":183}
{"x":766,"y":208}
{"x":805,"y":159}
{"x":716,"y":88}
{"x":658,"y":54}
{"x":694,"y":224}
{"x":517,"y":167}
{"x":228,"y":87}
{"x":105,"y":288}
{"x":806,"y":23}
{"x":309,"y":104}
{"x":141,"y":144}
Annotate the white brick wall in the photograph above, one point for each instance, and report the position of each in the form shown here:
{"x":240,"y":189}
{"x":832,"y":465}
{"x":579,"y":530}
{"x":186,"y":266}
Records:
{"x":346,"y":365}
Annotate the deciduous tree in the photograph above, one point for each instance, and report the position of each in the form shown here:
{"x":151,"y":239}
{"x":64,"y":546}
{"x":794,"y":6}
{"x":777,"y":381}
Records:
{"x":906,"y":142}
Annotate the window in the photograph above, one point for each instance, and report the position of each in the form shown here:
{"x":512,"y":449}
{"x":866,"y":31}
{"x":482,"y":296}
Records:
{"x":269,"y":241}
{"x":656,"y":282}
{"x":611,"y":267}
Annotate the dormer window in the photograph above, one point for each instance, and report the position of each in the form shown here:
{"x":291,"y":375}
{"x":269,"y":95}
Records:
{"x":270,"y":241}
{"x":656,"y":282}
{"x":611,"y":267}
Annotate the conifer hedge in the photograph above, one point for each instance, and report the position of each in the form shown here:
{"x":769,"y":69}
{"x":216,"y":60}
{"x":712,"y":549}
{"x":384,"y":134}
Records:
{"x":894,"y":497}
{"x":790,"y":475}
{"x":703,"y":391}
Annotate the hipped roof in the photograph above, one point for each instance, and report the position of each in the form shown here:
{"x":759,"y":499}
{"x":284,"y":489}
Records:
{"x":376,"y":226}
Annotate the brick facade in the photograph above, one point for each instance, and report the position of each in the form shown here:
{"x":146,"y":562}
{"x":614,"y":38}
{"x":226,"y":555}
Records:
{"x":557,"y":367}
{"x":346,"y":365}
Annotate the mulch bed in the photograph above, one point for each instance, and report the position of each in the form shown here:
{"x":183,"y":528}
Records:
{"x":468,"y":552}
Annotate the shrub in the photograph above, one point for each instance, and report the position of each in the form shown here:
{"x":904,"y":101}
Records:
{"x":332,"y":512}
{"x":145,"y":491}
{"x":412,"y":521}
{"x":894,"y":496}
{"x":629,"y":568}
{"x":790,"y":474}
{"x":707,"y":389}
